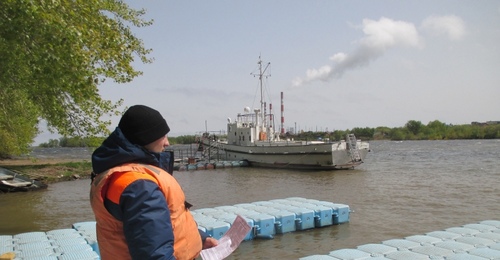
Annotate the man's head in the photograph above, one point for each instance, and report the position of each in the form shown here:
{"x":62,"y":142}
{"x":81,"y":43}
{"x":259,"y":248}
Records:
{"x":143,"y":125}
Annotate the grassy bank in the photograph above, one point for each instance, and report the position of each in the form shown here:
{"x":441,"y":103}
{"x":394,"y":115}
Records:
{"x":50,"y":171}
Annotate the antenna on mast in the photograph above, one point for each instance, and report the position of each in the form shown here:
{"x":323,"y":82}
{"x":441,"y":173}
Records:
{"x":262,"y":73}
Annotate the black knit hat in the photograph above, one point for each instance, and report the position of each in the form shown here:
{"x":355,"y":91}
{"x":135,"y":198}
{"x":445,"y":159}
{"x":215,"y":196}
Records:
{"x":143,"y":125}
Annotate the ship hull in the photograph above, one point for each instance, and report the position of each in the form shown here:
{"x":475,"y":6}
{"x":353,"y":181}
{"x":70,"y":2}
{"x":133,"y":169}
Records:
{"x":323,"y":156}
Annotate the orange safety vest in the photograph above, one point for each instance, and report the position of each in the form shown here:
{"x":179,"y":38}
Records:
{"x":110,"y":236}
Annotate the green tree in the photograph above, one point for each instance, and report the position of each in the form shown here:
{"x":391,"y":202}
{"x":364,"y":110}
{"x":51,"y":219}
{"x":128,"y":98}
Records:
{"x":397,"y":134}
{"x":53,"y":56}
{"x":365,"y":133}
{"x":492,"y":131}
{"x":337,"y":135}
{"x":435,"y":130}
{"x":50,"y":143}
{"x":16,"y":122}
{"x":183,"y":139}
{"x":414,"y":126}
{"x":381,"y":132}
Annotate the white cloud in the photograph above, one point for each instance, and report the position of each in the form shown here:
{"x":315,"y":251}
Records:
{"x":339,"y":57}
{"x":386,"y":33}
{"x":380,"y":36}
{"x":322,"y":73}
{"x":450,"y":25}
{"x":298,"y":81}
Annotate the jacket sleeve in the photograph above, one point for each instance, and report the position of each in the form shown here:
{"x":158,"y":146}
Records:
{"x":146,"y":221}
{"x":204,"y":235}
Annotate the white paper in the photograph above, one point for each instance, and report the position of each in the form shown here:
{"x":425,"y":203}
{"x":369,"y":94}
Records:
{"x":229,"y":242}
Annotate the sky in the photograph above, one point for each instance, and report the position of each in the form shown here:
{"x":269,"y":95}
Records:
{"x":340,"y":64}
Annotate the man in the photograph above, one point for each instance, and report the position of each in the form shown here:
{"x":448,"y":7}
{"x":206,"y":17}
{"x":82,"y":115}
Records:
{"x":140,"y":208}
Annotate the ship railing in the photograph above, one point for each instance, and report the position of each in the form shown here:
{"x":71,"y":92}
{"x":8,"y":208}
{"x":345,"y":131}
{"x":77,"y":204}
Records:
{"x":212,"y":149}
{"x":352,"y":147}
{"x":184,"y":152}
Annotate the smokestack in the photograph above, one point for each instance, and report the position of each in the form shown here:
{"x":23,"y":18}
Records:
{"x":282,"y":115}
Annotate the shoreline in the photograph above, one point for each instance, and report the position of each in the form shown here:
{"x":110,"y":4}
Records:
{"x":49,"y":170}
{"x":36,"y":161}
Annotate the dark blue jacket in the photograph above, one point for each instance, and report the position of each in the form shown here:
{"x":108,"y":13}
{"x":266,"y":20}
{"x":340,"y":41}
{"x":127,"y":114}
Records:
{"x":148,"y":226}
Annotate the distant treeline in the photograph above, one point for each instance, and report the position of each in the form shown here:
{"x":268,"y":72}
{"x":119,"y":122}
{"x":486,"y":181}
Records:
{"x":97,"y":141}
{"x":412,"y":130}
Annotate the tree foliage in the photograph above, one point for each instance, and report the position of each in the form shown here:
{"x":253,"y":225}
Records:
{"x":76,"y":141}
{"x":414,"y":126}
{"x":183,"y":139}
{"x":53,"y":56}
{"x":412,"y":130}
{"x":17,"y":119}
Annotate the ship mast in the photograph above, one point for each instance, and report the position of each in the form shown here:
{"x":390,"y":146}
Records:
{"x":262,"y":74}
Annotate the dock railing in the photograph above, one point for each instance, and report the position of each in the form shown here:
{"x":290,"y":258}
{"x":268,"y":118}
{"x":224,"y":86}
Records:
{"x":182,"y":152}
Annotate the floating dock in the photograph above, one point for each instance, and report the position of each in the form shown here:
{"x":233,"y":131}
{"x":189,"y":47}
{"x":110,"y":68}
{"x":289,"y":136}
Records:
{"x":204,"y":165}
{"x":76,"y":243}
{"x":266,"y":218}
{"x":478,"y":241}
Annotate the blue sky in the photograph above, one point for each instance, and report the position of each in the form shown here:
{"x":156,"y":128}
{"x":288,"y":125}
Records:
{"x":340,"y":64}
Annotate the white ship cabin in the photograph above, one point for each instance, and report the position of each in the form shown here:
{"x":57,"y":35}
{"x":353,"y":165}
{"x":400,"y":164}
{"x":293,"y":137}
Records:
{"x":250,"y":129}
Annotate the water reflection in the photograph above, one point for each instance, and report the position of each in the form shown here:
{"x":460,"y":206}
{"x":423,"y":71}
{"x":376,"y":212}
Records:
{"x":63,"y":203}
{"x":59,"y":206}
{"x":17,"y":211}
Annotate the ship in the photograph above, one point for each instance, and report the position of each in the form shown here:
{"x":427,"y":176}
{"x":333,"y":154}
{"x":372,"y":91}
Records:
{"x":251,"y":138}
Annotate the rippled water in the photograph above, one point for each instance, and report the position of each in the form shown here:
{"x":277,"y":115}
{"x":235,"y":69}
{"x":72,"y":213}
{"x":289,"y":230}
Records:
{"x":402,"y":189}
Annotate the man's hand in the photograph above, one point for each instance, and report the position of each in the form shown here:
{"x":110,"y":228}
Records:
{"x":210,"y":242}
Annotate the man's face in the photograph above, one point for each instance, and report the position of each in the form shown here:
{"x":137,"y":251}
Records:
{"x":158,"y":146}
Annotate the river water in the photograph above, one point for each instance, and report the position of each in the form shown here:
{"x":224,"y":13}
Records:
{"x":402,"y":189}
